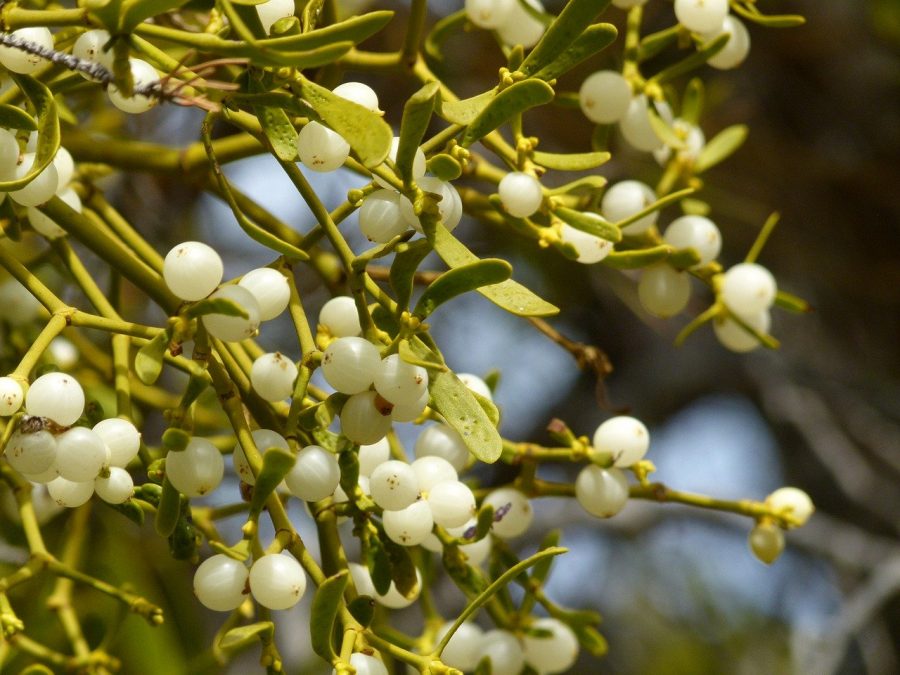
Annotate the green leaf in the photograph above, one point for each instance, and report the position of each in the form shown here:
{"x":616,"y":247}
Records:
{"x":591,"y":639}
{"x":663,"y":130}
{"x":47,"y":127}
{"x":585,"y":184}
{"x":578,"y":161}
{"x":489,"y":408}
{"x":644,"y":257}
{"x":416,"y":116}
{"x":721,"y":147}
{"x":130,"y":509}
{"x":378,"y":563}
{"x":245,"y":635}
{"x":403,"y":572}
{"x":13,"y":117}
{"x":692,"y":62}
{"x":510,"y":295}
{"x":442,"y":30}
{"x":455,"y":401}
{"x":792,"y":303}
{"x":459,"y":280}
{"x":168,"y":510}
{"x":279,"y":130}
{"x":324,"y":611}
{"x":692,"y":102}
{"x":108,"y":12}
{"x":276,"y":464}
{"x":514,"y":100}
{"x":137,"y":11}
{"x":562,"y":33}
{"x":431,"y":362}
{"x":368,"y":135}
{"x":184,"y":539}
{"x":406,"y":261}
{"x":589,"y":222}
{"x":594,"y":39}
{"x":483,"y":667}
{"x":751,"y":13}
{"x":348,"y":462}
{"x":362,"y":609}
{"x":445,"y":167}
{"x":36,"y":669}
{"x":148,"y":361}
{"x":465,"y":111}
{"x":222,"y":306}
{"x":654,"y":43}
{"x":484,"y":521}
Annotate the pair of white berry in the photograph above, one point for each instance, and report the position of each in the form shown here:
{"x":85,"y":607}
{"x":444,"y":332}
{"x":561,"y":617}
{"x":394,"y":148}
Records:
{"x":748,"y":290}
{"x":192,"y":271}
{"x":710,"y":18}
{"x":514,"y":24}
{"x":276,"y":581}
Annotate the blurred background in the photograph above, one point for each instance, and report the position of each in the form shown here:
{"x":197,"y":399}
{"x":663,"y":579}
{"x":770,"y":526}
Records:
{"x":678,"y":589}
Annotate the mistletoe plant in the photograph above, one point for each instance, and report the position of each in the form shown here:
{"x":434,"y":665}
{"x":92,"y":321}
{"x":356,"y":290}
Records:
{"x":269,"y":79}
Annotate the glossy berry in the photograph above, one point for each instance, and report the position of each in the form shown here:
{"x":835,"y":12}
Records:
{"x":408,"y":526}
{"x":590,"y":249}
{"x":394,"y":485}
{"x":601,"y":492}
{"x":69,"y":493}
{"x":45,"y":225}
{"x":234,"y":328}
{"x":65,"y":166}
{"x":359,"y":93}
{"x":57,"y":396}
{"x":418,"y":167}
{"x":350,"y":364}
{"x":462,"y":650}
{"x":115,"y":488}
{"x":271,"y":290}
{"x":362,"y":580}
{"x":520,"y":27}
{"x":272,"y":376}
{"x":409,"y":412}
{"x":192,"y":270}
{"x":19,"y":61}
{"x":220,"y":583}
{"x":370,"y":456}
{"x":31,"y":453}
{"x":664,"y":291}
{"x":41,"y":188}
{"x":452,"y":503}
{"x":89,"y":47}
{"x":320,"y":148}
{"x":365,"y":418}
{"x":520,"y":193}
{"x":624,"y":200}
{"x":80,"y":454}
{"x":488,"y":14}
{"x":121,"y":437}
{"x":400,"y":382}
{"x":636,"y":127}
{"x":698,"y":233}
{"x":432,"y":470}
{"x":380,"y":219}
{"x":736,"y":49}
{"x":315,"y":475}
{"x":142,"y":74}
{"x":196,"y":470}
{"x":449,"y":206}
{"x":277,"y":581}
{"x":792,"y":501}
{"x":364,"y":664}
{"x":443,"y":441}
{"x":512,"y":512}
{"x":735,"y":337}
{"x":701,"y":16}
{"x":553,"y":654}
{"x":503,"y":651}
{"x":272,"y":11}
{"x":11,"y":396}
{"x":604,"y":97}
{"x":476,"y":384}
{"x":339,"y":316}
{"x":748,"y":288}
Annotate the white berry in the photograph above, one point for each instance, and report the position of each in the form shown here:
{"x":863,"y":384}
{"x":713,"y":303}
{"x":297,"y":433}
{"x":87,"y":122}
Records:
{"x":394,"y":485}
{"x":359,"y":93}
{"x":554,"y":654}
{"x":272,"y":11}
{"x":400,"y":382}
{"x":57,"y":396}
{"x":272,"y":376}
{"x":339,"y":316}
{"x":512,"y":512}
{"x":80,"y":454}
{"x":601,"y":492}
{"x":748,"y":288}
{"x":766,"y":541}
{"x":89,"y":47}
{"x":350,"y":364}
{"x":370,"y":456}
{"x":271,"y":290}
{"x":315,"y":475}
{"x":663,"y":290}
{"x":735,"y":337}
{"x":115,"y":488}
{"x":196,"y":470}
{"x":452,"y":503}
{"x":520,"y":193}
{"x":698,"y":233}
{"x":320,"y":148}
{"x":192,"y":270}
{"x":418,"y":167}
{"x":142,"y":74}
{"x":604,"y":97}
{"x":701,"y":16}
{"x":793,"y":501}
{"x":521,"y":28}
{"x":462,"y":650}
{"x":408,"y":526}
{"x":380,"y":218}
{"x":590,"y":249}
{"x":69,"y":493}
{"x":365,"y":418}
{"x":234,"y":328}
{"x":19,"y":61}
{"x":488,"y":13}
{"x":44,"y":224}
{"x":220,"y":583}
{"x":121,"y":437}
{"x":625,"y":199}
{"x":264,"y":439}
{"x":503,"y":650}
{"x":736,"y":49}
{"x":635,"y":125}
{"x":277,"y":581}
{"x":41,"y":188}
{"x":443,"y":441}
{"x":32,"y":453}
{"x":432,"y":470}
{"x":11,"y":396}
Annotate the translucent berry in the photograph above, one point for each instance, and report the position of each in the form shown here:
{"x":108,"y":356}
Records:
{"x":315,"y":475}
{"x":370,"y":456}
{"x":41,"y":188}
{"x":11,"y":396}
{"x":590,"y":249}
{"x":520,"y":193}
{"x":359,"y":93}
{"x":32,"y":453}
{"x":320,"y":148}
{"x":432,"y":470}
{"x":192,"y":270}
{"x":234,"y":328}
{"x":394,"y":485}
{"x":488,"y":14}
{"x":115,"y":488}
{"x":196,"y":470}
{"x":340,"y":317}
{"x":736,"y":49}
{"x":635,"y":125}
{"x":380,"y":219}
{"x":519,"y":27}
{"x":462,"y":650}
{"x":400,"y":382}
{"x":553,"y":654}
{"x":701,"y":16}
{"x":272,"y":11}
{"x":625,"y":199}
{"x":142,"y":74}
{"x":121,"y":437}
{"x":452,"y":503}
{"x":443,"y":441}
{"x":695,"y":232}
{"x":663,"y":290}
{"x":365,"y":418}
{"x":601,"y":492}
{"x":271,"y":290}
{"x":277,"y":581}
{"x":57,"y":396}
{"x":272,"y":376}
{"x":503,"y":650}
{"x":80,"y":454}
{"x":409,"y":526}
{"x":748,"y":289}
{"x":220,"y":583}
{"x":350,"y":364}
{"x":792,"y":501}
{"x":512,"y":512}
{"x":69,"y":493}
{"x":735,"y":337}
{"x":19,"y":61}
{"x":766,"y":540}
{"x":604,"y":97}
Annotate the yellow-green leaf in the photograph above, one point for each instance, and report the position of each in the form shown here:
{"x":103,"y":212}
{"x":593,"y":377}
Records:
{"x":465,"y":111}
{"x":168,"y":510}
{"x":720,"y":147}
{"x":562,"y":33}
{"x":578,"y":161}
{"x":445,"y":167}
{"x":368,"y":135}
{"x":589,"y":222}
{"x":442,"y":30}
{"x":629,"y":260}
{"x":13,"y":117}
{"x":148,"y":361}
{"x":792,"y":303}
{"x":276,"y":464}
{"x":594,"y":39}
{"x":510,"y":295}
{"x":244,"y":635}
{"x":416,"y":116}
{"x":514,"y":100}
{"x":459,"y":280}
{"x":324,"y":610}
{"x":47,"y":127}
{"x":222,"y":306}
{"x":279,"y":130}
{"x":406,"y":262}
